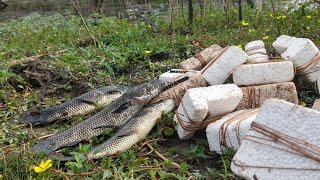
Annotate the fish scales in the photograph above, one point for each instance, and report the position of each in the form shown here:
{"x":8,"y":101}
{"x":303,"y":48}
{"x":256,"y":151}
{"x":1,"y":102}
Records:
{"x":82,"y":105}
{"x":113,"y":116}
{"x":137,"y":128}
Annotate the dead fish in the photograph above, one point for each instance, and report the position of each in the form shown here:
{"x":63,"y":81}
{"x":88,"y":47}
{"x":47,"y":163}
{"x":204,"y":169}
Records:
{"x":113,"y":116}
{"x":137,"y":128}
{"x":85,"y":104}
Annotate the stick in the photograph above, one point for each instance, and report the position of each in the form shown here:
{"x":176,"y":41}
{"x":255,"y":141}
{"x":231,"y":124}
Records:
{"x":164,"y":159}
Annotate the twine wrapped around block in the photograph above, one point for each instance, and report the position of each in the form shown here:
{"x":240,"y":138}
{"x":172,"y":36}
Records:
{"x":177,"y":92}
{"x":223,"y":131}
{"x":299,"y":147}
{"x":309,"y":67}
{"x":196,"y":125}
{"x":255,"y":96}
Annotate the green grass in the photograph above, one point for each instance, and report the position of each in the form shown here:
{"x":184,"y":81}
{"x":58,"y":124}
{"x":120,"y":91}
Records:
{"x":120,"y":57}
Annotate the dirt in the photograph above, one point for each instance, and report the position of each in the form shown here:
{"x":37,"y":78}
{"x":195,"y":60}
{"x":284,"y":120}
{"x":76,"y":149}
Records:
{"x":196,"y":163}
{"x":48,"y":78}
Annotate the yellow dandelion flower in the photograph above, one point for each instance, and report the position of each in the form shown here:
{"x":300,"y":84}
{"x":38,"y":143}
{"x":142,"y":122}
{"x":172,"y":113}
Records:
{"x":271,"y":15}
{"x":283,"y":16}
{"x":265,"y":37}
{"x":240,"y":46}
{"x":244,"y":23}
{"x":278,"y":17}
{"x":149,"y":26}
{"x":308,"y":28}
{"x":148,"y":52}
{"x":309,"y":17}
{"x":250,"y":30}
{"x":212,"y":15}
{"x":43,"y":166}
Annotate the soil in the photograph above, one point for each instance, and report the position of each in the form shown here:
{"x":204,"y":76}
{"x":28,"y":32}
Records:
{"x":50,"y":79}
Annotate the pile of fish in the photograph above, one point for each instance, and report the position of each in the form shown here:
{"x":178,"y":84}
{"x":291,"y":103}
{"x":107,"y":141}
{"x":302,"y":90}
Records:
{"x":126,"y":108}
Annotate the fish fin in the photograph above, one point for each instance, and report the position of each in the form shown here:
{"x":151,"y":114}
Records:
{"x":72,"y":143}
{"x":129,"y":133}
{"x":122,"y":107}
{"x":113,"y":92}
{"x":87,"y":101}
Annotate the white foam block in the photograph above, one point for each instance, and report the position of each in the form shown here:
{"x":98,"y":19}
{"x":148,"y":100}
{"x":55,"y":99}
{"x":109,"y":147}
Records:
{"x":198,"y":102}
{"x":169,"y":77}
{"x":230,"y":130}
{"x":182,"y":133}
{"x":263,"y":73}
{"x":300,"y":52}
{"x":258,"y":58}
{"x":255,"y":96}
{"x":191,"y":64}
{"x":282,"y":43}
{"x":255,"y":47}
{"x":223,"y":99}
{"x":173,"y":74}
{"x":216,"y":72}
{"x":316,"y":105}
{"x":267,"y":157}
{"x":195,"y":103}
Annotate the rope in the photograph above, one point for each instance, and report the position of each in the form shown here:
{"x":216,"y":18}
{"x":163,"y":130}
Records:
{"x":223,"y":131}
{"x":298,"y":146}
{"x":310,"y":65}
{"x":195,"y":125}
{"x":251,"y":97}
{"x":201,"y":59}
{"x":176,"y":93}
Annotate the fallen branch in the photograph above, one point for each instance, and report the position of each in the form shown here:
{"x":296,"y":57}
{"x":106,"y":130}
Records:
{"x":165,"y":159}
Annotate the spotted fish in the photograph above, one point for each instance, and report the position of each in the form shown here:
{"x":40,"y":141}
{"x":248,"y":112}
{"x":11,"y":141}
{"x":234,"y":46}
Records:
{"x":85,"y":104}
{"x":137,"y":128}
{"x":114,"y":115}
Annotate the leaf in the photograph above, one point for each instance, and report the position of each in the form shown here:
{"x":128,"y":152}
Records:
{"x":107,"y":174}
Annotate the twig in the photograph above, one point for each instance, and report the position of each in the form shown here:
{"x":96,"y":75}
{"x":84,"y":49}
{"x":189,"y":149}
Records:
{"x":152,"y":140}
{"x":84,"y":22}
{"x":165,"y":159}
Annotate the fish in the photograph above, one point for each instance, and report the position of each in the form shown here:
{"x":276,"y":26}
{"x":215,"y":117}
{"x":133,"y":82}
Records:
{"x":136,"y":129}
{"x":113,"y":116}
{"x":85,"y":104}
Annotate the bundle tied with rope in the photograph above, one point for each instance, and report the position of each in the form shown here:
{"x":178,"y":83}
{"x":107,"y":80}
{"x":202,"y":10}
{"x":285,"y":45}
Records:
{"x":176,"y":93}
{"x":230,"y":130}
{"x":282,"y":142}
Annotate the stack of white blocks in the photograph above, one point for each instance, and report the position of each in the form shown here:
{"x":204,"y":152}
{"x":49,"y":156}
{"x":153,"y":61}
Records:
{"x":256,"y":51}
{"x":300,"y":51}
{"x":198,"y":102}
{"x":235,"y":131}
{"x":295,"y":130}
